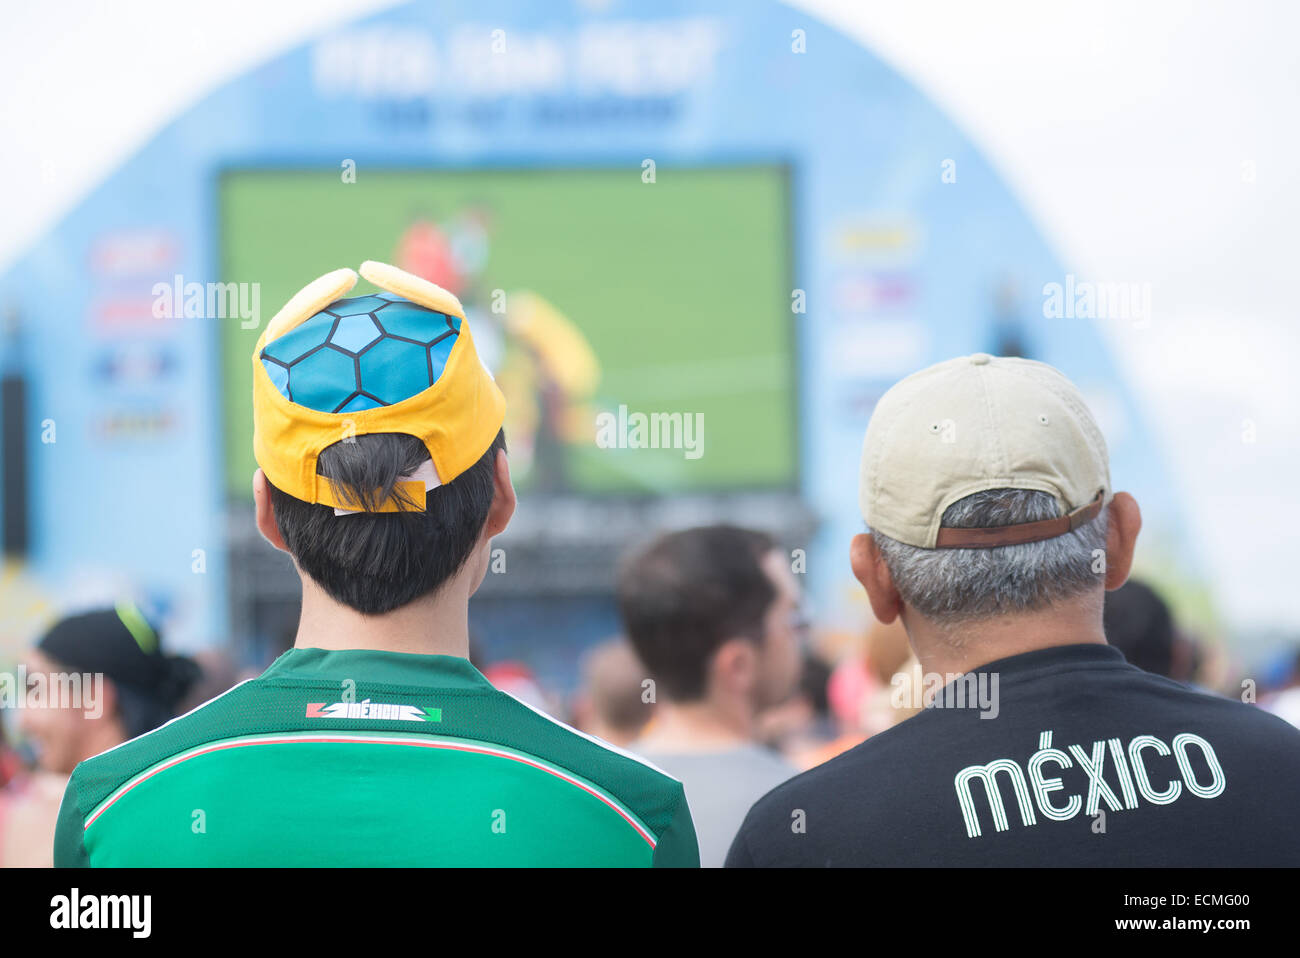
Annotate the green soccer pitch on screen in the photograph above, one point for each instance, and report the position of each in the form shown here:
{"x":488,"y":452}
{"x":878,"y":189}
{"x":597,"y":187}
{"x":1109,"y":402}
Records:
{"x":616,"y":314}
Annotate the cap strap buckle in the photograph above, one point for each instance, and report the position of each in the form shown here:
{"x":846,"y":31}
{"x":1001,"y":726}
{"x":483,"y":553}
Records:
{"x":988,"y":538}
{"x":413,"y":487}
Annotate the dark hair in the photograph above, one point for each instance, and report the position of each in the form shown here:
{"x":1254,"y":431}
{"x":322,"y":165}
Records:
{"x":688,"y":593}
{"x":1138,"y":623}
{"x":814,"y":683}
{"x":382,"y":561}
{"x":143,"y":710}
{"x":149,"y":683}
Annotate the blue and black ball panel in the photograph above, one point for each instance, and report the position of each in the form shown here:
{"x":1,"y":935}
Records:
{"x":360,"y":353}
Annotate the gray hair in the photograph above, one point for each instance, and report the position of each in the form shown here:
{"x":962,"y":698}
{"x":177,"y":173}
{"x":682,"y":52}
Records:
{"x":950,"y":586}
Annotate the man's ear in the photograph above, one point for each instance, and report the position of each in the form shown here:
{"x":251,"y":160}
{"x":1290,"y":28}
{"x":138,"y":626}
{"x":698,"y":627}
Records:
{"x":266,"y":512}
{"x":870,"y":569}
{"x":503,"y":498}
{"x":734,"y":665}
{"x":1124,"y":522}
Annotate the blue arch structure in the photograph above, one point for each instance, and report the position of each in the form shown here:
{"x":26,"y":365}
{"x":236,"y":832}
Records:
{"x":905,"y":242}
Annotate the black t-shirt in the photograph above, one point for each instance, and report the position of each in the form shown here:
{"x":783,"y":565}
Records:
{"x":1083,"y":760}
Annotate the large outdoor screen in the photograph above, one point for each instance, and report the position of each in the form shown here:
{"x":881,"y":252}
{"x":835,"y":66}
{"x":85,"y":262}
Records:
{"x":596,"y":296}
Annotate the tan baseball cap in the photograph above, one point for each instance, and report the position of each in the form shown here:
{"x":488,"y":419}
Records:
{"x":976,"y":423}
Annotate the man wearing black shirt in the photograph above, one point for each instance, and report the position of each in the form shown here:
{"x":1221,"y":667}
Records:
{"x":994,"y":534}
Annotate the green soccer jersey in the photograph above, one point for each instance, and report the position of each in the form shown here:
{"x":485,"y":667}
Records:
{"x":357,"y":758}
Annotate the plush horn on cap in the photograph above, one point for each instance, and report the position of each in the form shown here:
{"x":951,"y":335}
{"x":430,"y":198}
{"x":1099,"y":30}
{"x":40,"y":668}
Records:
{"x":414,"y":288}
{"x":309,"y":301}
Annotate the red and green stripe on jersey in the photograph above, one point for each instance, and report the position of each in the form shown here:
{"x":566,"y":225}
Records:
{"x":412,"y":760}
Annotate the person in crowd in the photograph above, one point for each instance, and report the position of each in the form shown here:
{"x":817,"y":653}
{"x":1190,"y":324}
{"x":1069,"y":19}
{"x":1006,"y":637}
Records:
{"x":715,"y":614}
{"x":612,"y":703}
{"x":994,"y":533}
{"x":1138,"y":623}
{"x":217,"y":674}
{"x":1284,"y":701}
{"x":801,"y":728}
{"x":888,"y":671}
{"x":93,"y":681}
{"x":29,"y":806}
{"x":374,"y":741}
{"x":1141,"y":625}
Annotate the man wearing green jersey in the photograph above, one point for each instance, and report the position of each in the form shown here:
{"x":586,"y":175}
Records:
{"x":374,"y":741}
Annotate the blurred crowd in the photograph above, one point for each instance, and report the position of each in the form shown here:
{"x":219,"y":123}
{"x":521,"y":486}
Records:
{"x":719,"y":678}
